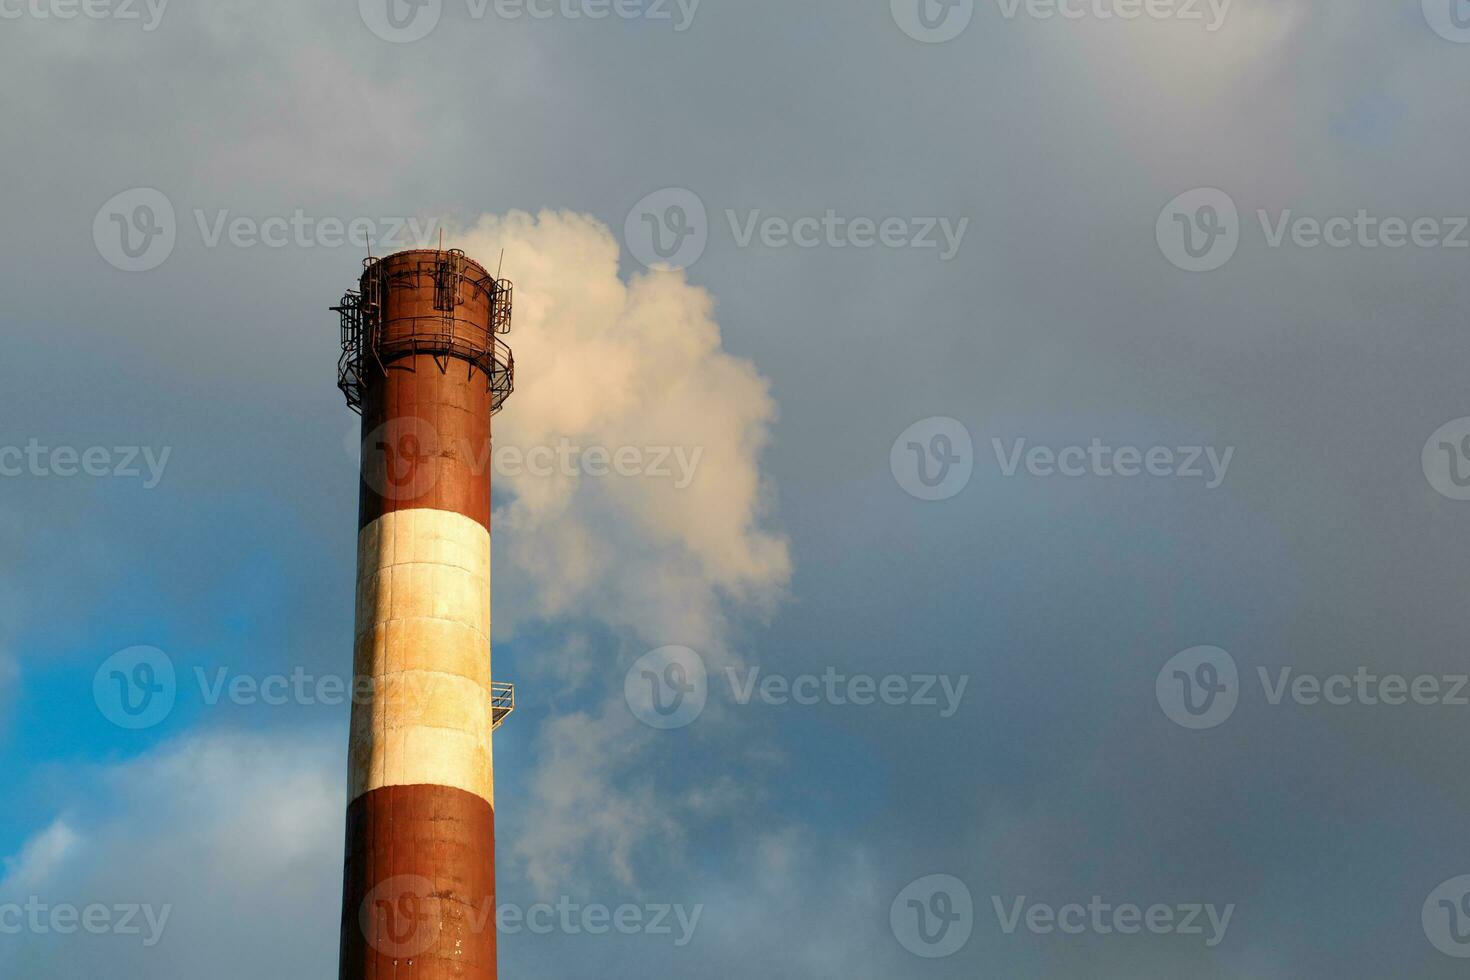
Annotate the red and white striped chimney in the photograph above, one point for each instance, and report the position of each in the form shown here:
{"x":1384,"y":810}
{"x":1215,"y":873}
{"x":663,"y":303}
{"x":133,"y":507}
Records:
{"x":423,"y":363}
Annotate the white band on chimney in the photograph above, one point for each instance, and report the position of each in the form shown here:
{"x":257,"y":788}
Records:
{"x":423,"y":646}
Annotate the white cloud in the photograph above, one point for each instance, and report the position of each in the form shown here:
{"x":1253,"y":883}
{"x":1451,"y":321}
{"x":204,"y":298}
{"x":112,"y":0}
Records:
{"x":239,"y":837}
{"x":39,"y":858}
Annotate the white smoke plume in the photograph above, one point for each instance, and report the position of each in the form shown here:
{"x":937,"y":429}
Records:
{"x":657,"y":558}
{"x":622,"y":365}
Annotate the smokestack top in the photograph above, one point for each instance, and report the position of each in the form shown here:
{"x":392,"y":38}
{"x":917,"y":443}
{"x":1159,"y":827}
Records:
{"x":429,"y":254}
{"x":426,"y":302}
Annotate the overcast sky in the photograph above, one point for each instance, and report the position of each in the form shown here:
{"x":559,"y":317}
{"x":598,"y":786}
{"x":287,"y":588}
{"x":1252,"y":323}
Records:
{"x":1047,"y":455}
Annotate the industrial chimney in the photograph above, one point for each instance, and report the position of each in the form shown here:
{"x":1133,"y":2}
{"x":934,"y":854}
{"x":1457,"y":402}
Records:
{"x":423,"y":364}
